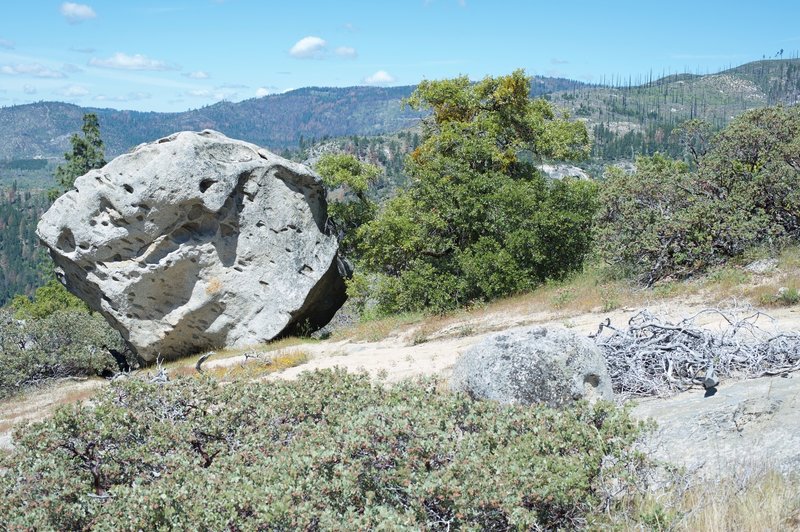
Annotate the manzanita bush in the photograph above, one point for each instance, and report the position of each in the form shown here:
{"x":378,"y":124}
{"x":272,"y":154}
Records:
{"x":331,"y":450}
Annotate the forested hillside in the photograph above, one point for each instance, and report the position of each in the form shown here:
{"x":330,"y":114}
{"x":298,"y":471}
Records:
{"x":278,"y":121}
{"x":637,"y":117}
{"x":625,"y":115}
{"x":22,"y":261}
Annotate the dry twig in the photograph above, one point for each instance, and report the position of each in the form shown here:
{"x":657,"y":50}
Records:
{"x":656,"y":357}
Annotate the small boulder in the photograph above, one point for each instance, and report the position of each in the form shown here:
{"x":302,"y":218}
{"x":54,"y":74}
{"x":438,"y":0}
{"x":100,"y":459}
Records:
{"x":530,"y":365}
{"x":197,"y":241}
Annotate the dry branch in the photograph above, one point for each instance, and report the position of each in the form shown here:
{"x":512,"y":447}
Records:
{"x":656,"y":357}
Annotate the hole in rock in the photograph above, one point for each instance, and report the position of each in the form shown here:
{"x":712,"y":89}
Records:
{"x":128,"y":188}
{"x":66,"y":241}
{"x":205,"y":184}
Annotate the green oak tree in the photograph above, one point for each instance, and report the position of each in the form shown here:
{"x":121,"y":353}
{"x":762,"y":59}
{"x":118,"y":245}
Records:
{"x":479,"y":220}
{"x":349,"y":207}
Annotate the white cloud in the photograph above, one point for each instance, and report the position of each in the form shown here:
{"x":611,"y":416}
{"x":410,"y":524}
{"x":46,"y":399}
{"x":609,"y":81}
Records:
{"x":71,"y":69}
{"x":266,"y":91}
{"x":75,"y":91}
{"x":197,"y":74}
{"x":379,"y":77}
{"x":217,"y":93}
{"x":75,"y":13}
{"x":7,"y":44}
{"x":29,"y":89}
{"x":130,"y":97}
{"x":121,"y":61}
{"x":347,"y":52}
{"x":308,"y":48}
{"x":31,"y":69}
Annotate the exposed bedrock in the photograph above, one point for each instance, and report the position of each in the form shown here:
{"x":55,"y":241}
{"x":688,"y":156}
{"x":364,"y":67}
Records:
{"x":198,"y":241}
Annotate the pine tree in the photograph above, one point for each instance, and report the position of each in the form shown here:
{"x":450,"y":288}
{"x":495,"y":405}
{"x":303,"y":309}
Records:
{"x":86,"y":154}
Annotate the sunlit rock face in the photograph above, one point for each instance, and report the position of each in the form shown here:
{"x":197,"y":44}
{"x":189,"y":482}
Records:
{"x":198,"y":241}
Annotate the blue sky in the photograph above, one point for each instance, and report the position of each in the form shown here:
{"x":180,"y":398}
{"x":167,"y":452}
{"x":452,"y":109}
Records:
{"x":173,"y":55}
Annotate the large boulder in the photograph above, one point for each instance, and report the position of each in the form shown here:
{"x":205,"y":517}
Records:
{"x":530,"y":365}
{"x":198,"y":241}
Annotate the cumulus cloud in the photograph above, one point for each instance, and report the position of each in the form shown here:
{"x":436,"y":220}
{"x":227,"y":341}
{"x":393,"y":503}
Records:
{"x":266,"y":91}
{"x":197,"y":74}
{"x":71,"y":69}
{"x":121,"y":61}
{"x":130,"y":97}
{"x":346,"y":52}
{"x":7,"y":44}
{"x":308,"y":48}
{"x":75,"y":91}
{"x":380,"y":77}
{"x":217,"y":93}
{"x":31,"y":69}
{"x":75,"y":13}
{"x":29,"y":89}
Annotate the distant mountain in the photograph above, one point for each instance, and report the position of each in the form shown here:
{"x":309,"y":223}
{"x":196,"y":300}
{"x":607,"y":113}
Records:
{"x":634,"y":118}
{"x":277,"y":121}
{"x":43,"y":129}
{"x":638,"y":118}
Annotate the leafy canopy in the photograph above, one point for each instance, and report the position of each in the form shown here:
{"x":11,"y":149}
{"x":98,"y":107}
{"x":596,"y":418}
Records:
{"x":349,"y":207}
{"x":479,"y":220}
{"x":47,"y":299}
{"x":668,"y":221}
{"x":86,"y":154}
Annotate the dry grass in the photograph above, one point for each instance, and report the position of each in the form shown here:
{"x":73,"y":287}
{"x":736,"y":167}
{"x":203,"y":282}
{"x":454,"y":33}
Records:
{"x":260,"y":367}
{"x":378,"y":329}
{"x":593,"y":290}
{"x":186,"y":365}
{"x":36,"y":404}
{"x":586,"y":291}
{"x":770,"y":501}
{"x":756,"y":500}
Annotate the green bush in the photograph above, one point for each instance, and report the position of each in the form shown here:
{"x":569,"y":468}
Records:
{"x":667,"y":221}
{"x":46,"y":300}
{"x":66,"y":343}
{"x":349,"y":207}
{"x":479,"y":220}
{"x":329,"y":451}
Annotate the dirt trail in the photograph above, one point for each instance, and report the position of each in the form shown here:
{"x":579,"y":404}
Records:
{"x":415,"y":351}
{"x":38,"y":404}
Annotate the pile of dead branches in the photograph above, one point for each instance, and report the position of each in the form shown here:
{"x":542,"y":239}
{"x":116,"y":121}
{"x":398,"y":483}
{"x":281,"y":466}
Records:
{"x":656,"y":357}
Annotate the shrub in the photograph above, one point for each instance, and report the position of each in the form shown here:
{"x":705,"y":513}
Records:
{"x":328,"y":451}
{"x":479,"y":220}
{"x":667,"y":221}
{"x":46,"y":300}
{"x":66,"y":343}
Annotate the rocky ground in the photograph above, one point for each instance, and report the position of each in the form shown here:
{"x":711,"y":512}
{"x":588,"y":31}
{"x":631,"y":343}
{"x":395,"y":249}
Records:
{"x":744,"y":424}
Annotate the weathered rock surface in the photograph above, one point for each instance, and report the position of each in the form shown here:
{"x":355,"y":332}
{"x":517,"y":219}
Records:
{"x":198,"y":241}
{"x":554,"y":366}
{"x":744,"y":426}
